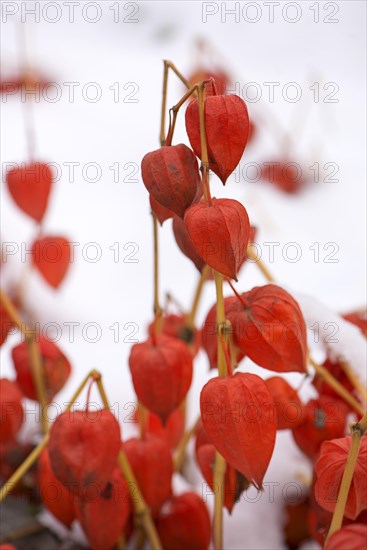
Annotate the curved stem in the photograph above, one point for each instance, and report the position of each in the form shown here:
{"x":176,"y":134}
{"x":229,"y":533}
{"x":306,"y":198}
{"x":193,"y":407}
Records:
{"x":91,"y":382}
{"x":14,"y":479}
{"x":175,"y":109}
{"x":34,"y":455}
{"x":168,"y":65}
{"x":358,"y":429}
{"x":323,"y":373}
{"x":162,"y":133}
{"x":12,"y":312}
{"x":199,"y":88}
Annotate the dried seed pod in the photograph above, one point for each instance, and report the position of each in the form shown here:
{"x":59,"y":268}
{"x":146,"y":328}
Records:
{"x":238,"y":416}
{"x":161,"y":369}
{"x":171,"y":175}
{"x":83,"y":448}
{"x":226,"y":128}
{"x":220,"y":232}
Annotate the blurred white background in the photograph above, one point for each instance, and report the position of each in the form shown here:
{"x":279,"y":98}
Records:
{"x":108,"y":132}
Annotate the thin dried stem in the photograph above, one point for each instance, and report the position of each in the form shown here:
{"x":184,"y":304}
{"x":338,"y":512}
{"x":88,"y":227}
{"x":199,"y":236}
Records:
{"x":156,"y":304}
{"x":251,"y":254}
{"x":323,"y":373}
{"x":180,"y":454}
{"x":354,"y":380}
{"x":34,"y":455}
{"x":162,"y":134}
{"x":203,"y":144}
{"x":143,"y":419}
{"x":140,"y":538}
{"x":121,"y":545}
{"x":221,"y":323}
{"x":35,"y":360}
{"x":197,"y":88}
{"x":23,"y":532}
{"x":190,"y":317}
{"x":168,"y":65}
{"x":358,"y":430}
{"x":35,"y":357}
{"x":14,"y":479}
{"x":219,"y":464}
{"x":141,"y":509}
{"x":175,"y":109}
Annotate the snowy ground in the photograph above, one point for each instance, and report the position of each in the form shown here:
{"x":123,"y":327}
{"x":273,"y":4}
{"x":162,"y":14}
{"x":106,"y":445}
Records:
{"x":124,"y":61}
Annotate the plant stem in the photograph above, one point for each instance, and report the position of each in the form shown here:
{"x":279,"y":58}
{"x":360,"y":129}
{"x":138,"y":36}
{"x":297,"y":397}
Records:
{"x":219,"y":464}
{"x":221,"y":324}
{"x":190,"y":325}
{"x":358,"y":430}
{"x":143,"y":419}
{"x":262,"y":267}
{"x":121,"y":545}
{"x":12,"y":312}
{"x":203,"y":144}
{"x":23,"y":532}
{"x":168,"y":65}
{"x":199,"y":88}
{"x":156,"y":307}
{"x":14,"y":479}
{"x":218,"y":484}
{"x":33,"y":456}
{"x":190,"y":317}
{"x":179,"y":457}
{"x":141,"y":509}
{"x":35,"y":358}
{"x":140,"y":538}
{"x":323,"y":373}
{"x":175,"y":109}
{"x":355,"y":381}
{"x":171,"y":299}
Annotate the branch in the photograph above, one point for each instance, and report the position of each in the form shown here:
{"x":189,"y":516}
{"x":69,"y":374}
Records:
{"x":358,"y":430}
{"x":141,"y":509}
{"x":34,"y":455}
{"x":35,"y":357}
